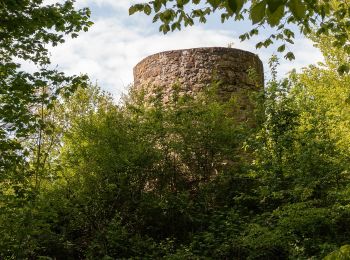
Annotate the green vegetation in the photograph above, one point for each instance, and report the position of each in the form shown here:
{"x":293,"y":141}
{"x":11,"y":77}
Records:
{"x":185,"y":180}
{"x":284,"y":18}
{"x":84,"y":178}
{"x":27,"y":28}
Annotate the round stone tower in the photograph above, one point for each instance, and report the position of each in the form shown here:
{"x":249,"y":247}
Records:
{"x":238,"y":72}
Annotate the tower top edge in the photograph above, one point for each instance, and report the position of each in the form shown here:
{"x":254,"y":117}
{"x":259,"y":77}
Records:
{"x":199,"y":49}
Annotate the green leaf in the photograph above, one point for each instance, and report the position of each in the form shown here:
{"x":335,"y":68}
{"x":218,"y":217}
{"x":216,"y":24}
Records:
{"x":289,"y":56}
{"x":175,"y":26}
{"x":254,"y":32}
{"x":259,"y":45}
{"x":147,"y":9}
{"x":214,"y":3}
{"x":257,"y":12}
{"x":281,"y":48}
{"x":344,"y":68}
{"x":274,"y":18}
{"x":182,"y":3}
{"x":132,"y":10}
{"x":232,"y":4}
{"x":297,"y":8}
{"x":240,"y":4}
{"x":157,"y":6}
{"x":135,"y":8}
{"x":267,"y":42}
{"x":273,"y":5}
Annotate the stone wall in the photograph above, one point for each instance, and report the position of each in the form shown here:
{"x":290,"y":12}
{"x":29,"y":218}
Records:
{"x":194,"y":69}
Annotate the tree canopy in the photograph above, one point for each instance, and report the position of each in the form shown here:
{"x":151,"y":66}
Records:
{"x":27,"y":29}
{"x":283,"y":16}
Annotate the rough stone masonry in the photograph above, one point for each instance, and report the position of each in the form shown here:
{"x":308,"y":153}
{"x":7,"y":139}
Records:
{"x":195,"y":69}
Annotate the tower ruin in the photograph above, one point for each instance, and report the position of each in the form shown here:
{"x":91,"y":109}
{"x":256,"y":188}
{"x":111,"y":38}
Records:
{"x":238,"y":72}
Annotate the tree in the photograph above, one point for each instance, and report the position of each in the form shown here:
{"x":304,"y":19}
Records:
{"x":326,"y":17}
{"x":26,"y":202}
{"x":27,"y":28}
{"x":302,"y":162}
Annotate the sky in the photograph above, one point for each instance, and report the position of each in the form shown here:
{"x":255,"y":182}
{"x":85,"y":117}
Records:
{"x":117,"y":42}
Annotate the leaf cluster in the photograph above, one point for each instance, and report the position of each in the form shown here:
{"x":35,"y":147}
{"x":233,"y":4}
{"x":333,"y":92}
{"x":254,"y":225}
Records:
{"x":283,"y":16}
{"x":27,"y":29}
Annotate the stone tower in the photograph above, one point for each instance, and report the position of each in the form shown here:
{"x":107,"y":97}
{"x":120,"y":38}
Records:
{"x":194,"y":69}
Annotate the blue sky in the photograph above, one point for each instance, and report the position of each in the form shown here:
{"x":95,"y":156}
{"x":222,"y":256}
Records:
{"x":117,"y":41}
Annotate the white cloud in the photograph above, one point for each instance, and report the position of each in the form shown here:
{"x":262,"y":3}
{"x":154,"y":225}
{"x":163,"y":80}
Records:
{"x":115,"y":4}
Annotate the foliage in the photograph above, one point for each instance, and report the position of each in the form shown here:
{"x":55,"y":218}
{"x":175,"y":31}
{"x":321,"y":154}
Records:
{"x":26,"y":124}
{"x":326,"y":17}
{"x":341,"y":253}
{"x":27,"y":28}
{"x":187,"y":180}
